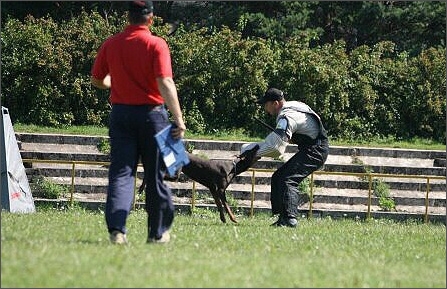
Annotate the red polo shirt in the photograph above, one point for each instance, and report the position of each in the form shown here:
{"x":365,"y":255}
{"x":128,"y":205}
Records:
{"x":134,"y":58}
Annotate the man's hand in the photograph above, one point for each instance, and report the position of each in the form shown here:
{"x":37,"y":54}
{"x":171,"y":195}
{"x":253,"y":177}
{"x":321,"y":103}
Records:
{"x":177,"y":131}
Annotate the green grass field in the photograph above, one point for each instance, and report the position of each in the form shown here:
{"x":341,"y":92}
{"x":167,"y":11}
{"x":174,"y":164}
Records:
{"x":70,"y":248}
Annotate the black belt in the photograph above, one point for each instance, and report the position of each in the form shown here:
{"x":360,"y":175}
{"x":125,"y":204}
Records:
{"x":150,"y":107}
{"x":317,"y":141}
{"x":158,"y":107}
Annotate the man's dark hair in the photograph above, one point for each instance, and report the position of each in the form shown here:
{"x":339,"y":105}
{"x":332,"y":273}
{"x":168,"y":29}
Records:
{"x":140,"y":11}
{"x":135,"y":18}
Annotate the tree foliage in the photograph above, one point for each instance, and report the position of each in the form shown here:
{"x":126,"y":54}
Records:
{"x":380,"y":85}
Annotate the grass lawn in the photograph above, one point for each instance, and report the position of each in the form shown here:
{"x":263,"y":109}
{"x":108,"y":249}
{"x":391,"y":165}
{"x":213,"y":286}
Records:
{"x":70,"y":248}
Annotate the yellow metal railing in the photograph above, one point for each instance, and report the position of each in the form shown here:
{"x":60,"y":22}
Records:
{"x":369,"y":175}
{"x":73,"y":164}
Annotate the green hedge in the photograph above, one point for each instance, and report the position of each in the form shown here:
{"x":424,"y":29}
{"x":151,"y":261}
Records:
{"x":370,"y":92}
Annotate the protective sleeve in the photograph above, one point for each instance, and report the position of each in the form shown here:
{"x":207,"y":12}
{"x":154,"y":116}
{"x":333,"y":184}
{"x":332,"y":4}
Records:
{"x":273,"y":146}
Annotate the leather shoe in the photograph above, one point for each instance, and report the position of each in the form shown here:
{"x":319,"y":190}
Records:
{"x":286,"y":222}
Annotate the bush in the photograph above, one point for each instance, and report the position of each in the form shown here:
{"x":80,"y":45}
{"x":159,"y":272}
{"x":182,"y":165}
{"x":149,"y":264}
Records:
{"x":382,"y":191}
{"x":367,"y":93}
{"x":46,"y":70}
{"x":44,"y":188}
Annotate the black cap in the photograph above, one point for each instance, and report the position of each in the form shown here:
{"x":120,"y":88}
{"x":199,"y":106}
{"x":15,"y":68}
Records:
{"x":271,"y":94}
{"x":141,"y":7}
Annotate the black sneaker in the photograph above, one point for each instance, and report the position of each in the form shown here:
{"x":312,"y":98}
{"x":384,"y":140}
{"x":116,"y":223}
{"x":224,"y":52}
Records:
{"x":290,"y":222}
{"x":285,"y":222}
{"x":277,"y":221}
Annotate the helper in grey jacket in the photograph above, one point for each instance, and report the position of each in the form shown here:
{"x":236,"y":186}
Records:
{"x":298,"y":124}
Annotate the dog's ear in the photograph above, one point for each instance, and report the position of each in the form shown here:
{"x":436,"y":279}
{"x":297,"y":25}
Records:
{"x":244,"y":161}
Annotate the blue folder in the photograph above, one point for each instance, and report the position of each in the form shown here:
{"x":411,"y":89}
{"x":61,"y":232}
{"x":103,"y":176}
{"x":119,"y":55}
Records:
{"x":172,"y":151}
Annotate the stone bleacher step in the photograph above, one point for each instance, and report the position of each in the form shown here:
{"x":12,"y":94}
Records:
{"x":210,"y":145}
{"x":260,"y":178}
{"x":332,"y":192}
{"x":401,"y":197}
{"x":261,"y":164}
{"x":360,"y":211}
{"x":95,"y":189}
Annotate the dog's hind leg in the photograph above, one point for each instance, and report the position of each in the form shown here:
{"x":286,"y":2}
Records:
{"x":223,"y":200}
{"x":219,"y":204}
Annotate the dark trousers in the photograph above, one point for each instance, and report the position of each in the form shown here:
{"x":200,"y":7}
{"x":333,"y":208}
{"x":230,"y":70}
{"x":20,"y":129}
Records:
{"x":285,"y":194}
{"x":131,"y":131}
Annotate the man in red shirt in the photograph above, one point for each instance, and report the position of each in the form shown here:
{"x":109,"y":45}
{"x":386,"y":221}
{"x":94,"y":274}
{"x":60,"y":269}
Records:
{"x":136,"y":66}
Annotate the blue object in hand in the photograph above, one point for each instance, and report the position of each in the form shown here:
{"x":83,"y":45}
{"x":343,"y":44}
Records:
{"x":172,"y":150}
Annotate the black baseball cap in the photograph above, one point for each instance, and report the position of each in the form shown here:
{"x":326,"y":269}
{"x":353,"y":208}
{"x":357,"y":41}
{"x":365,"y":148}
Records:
{"x":141,"y":7}
{"x":271,"y":94}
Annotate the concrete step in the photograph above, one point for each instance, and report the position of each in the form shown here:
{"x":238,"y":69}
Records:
{"x":261,"y":164}
{"x":90,"y":152}
{"x":360,"y":212}
{"x":335,"y":157}
{"x":400,"y":197}
{"x":234,"y":146}
{"x":340,"y":187}
{"x":318,"y":210}
{"x":260,"y":178}
{"x":96,"y":188}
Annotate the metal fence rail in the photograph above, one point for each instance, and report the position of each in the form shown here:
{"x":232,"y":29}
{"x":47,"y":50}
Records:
{"x":370,"y":176}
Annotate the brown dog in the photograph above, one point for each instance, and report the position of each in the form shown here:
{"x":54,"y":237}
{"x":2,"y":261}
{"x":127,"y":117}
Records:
{"x":214,"y":175}
{"x":217,"y":175}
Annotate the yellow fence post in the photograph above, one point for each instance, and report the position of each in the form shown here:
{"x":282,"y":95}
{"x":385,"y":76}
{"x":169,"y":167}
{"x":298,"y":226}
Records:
{"x":426,"y":200}
{"x":72,"y":183}
{"x":252,"y":193}
{"x":368,"y":215}
{"x":370,"y":175}
{"x":135,"y":191}
{"x":193,"y":197}
{"x":311,"y":197}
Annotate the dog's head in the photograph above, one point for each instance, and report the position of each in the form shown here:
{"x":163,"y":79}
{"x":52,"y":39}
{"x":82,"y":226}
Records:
{"x":244,"y":161}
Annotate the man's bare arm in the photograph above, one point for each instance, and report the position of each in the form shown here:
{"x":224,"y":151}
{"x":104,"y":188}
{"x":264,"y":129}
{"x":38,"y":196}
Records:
{"x":101,"y":83}
{"x":168,"y":91}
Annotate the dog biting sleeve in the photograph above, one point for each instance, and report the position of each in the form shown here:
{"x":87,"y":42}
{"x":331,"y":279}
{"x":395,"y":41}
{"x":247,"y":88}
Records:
{"x":273,"y":146}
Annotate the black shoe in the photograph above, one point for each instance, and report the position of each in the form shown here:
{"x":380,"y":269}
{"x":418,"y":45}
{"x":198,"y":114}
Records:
{"x":285,"y":222}
{"x":290,"y":222}
{"x":277,"y":222}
